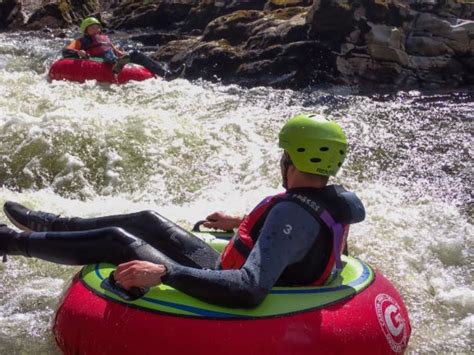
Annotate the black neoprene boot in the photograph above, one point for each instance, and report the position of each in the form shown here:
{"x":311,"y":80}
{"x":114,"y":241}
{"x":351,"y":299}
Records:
{"x":11,"y":242}
{"x":29,"y":220}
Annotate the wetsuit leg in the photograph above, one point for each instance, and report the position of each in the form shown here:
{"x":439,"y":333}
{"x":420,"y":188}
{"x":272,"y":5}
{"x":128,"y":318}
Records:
{"x":156,"y":230}
{"x":149,"y":226}
{"x":112,"y":245}
{"x":152,"y":65}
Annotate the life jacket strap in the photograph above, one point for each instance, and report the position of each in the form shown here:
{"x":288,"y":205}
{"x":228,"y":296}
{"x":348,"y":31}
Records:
{"x":337,"y":236}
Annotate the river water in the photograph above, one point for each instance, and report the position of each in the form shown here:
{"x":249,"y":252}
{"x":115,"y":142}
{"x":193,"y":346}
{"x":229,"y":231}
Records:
{"x":187,"y":149}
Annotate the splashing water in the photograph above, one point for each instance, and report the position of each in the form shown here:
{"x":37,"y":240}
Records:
{"x":187,"y":149}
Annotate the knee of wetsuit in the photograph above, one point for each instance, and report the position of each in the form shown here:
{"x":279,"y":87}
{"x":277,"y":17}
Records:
{"x":150,"y":217}
{"x":120,"y":235}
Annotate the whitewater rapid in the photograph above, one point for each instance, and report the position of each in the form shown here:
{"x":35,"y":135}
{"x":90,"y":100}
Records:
{"x":187,"y":149}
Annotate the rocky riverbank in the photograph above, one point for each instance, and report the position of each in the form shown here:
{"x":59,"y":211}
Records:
{"x":284,"y":43}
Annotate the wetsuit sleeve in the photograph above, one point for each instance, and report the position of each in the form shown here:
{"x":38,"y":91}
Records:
{"x":286,"y":236}
{"x":355,"y":208}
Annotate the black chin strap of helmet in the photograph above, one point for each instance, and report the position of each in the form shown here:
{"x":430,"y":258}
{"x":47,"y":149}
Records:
{"x":285,"y":163}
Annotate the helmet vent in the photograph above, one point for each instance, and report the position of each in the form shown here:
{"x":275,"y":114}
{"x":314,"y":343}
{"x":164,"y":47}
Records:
{"x":339,"y":164}
{"x":300,"y":150}
{"x":342,"y":152}
{"x":324,"y":149}
{"x":315,"y":160}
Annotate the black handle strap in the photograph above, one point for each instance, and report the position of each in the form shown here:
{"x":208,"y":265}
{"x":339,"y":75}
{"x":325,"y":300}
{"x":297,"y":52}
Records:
{"x":110,"y":284}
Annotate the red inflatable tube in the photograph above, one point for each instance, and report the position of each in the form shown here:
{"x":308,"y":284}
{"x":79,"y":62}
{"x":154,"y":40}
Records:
{"x":375,"y":321}
{"x":81,"y":70}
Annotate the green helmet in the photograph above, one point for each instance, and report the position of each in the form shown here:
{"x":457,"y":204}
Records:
{"x":88,"y":22}
{"x":315,"y":144}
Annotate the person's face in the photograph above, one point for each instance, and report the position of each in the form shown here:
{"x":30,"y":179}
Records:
{"x":93,"y":29}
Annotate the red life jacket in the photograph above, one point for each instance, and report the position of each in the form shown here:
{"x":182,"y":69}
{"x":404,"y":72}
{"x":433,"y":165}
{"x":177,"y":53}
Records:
{"x":236,"y":252}
{"x":97,"y":45}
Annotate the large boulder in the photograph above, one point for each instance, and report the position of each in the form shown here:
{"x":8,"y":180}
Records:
{"x":387,"y":43}
{"x":62,"y":13}
{"x":277,"y":4}
{"x":456,"y":34}
{"x":331,"y":20}
{"x":184,"y":15}
{"x":279,"y":27}
{"x":208,"y":10}
{"x":427,"y":46}
{"x":208,"y":60}
{"x":255,"y":48}
{"x":157,"y":14}
{"x":446,"y":8}
{"x":293,"y":65}
{"x":234,"y":28}
{"x":11,"y":14}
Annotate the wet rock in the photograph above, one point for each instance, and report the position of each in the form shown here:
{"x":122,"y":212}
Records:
{"x":208,"y":60}
{"x":281,"y":27}
{"x":331,"y":20}
{"x":234,"y":28}
{"x":456,"y":34}
{"x":292,"y":43}
{"x":436,"y":64}
{"x":156,"y":38}
{"x":200,"y":16}
{"x":174,"y":52}
{"x":11,"y":14}
{"x":63,"y":13}
{"x":276,"y":4}
{"x":157,"y":15}
{"x":389,"y":12}
{"x":445,"y":8}
{"x":294,"y":65}
{"x":258,"y":48}
{"x":427,"y":46}
{"x":387,"y":43}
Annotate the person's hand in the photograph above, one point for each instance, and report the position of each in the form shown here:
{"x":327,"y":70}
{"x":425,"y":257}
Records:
{"x":118,"y":52}
{"x":220,"y":220}
{"x":82,"y":54}
{"x":138,"y":273}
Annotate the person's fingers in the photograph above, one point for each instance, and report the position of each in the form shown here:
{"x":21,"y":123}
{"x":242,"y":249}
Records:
{"x":214,"y":225}
{"x":213,"y":216}
{"x":139,"y":278}
{"x":128,"y":282}
{"x":126,"y":265}
{"x":124,"y":274}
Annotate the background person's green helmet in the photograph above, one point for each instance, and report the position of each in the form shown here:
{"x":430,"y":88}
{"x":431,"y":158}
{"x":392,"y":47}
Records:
{"x":315,"y":144}
{"x":88,"y":22}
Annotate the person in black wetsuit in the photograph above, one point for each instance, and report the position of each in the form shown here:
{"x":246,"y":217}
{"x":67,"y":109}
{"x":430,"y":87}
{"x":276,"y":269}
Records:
{"x":294,"y":238}
{"x":94,"y":43}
